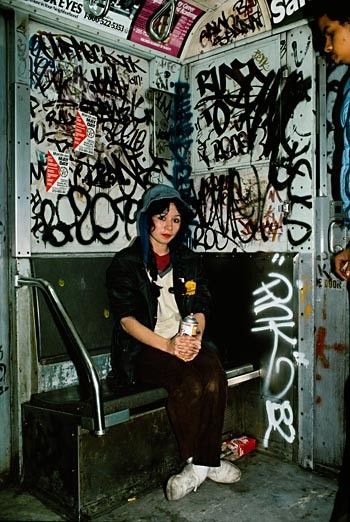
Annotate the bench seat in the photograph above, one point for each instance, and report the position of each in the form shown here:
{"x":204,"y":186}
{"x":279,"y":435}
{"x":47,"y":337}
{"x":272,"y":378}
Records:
{"x":120,"y":402}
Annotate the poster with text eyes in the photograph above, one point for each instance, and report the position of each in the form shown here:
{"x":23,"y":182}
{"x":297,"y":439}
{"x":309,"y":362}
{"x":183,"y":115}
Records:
{"x":117,"y":19}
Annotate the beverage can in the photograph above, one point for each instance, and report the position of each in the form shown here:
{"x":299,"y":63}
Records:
{"x":234,"y":448}
{"x":189,"y":325}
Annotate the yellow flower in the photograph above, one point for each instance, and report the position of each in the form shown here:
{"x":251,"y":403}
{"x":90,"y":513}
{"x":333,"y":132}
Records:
{"x":190,"y":287}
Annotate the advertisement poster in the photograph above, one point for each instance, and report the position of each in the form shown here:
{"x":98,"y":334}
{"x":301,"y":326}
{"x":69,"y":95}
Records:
{"x":85,"y":133}
{"x":117,"y":20}
{"x":185,"y":17}
{"x":57,"y":172}
{"x":286,"y":11}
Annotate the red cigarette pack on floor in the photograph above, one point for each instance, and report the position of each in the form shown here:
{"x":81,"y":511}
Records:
{"x":233,"y":449}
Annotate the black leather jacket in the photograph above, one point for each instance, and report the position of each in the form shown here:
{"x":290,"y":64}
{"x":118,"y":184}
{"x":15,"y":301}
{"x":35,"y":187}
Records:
{"x":131,"y":292}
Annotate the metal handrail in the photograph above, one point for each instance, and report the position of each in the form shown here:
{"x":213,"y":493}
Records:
{"x":162,"y":21}
{"x":83,"y":361}
{"x":97,"y":8}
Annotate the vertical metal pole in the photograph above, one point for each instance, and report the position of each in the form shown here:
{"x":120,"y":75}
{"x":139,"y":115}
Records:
{"x":5,"y":412}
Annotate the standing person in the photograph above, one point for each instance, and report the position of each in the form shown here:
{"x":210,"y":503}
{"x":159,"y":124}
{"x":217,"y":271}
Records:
{"x":341,"y":509}
{"x":333,"y":19}
{"x":152,"y":284}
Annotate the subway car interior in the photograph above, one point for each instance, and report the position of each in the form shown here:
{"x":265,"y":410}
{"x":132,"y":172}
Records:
{"x":233,"y":104}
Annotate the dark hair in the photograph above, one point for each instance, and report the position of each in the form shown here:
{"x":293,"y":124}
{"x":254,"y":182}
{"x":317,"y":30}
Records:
{"x":158,"y":207}
{"x":335,"y":10}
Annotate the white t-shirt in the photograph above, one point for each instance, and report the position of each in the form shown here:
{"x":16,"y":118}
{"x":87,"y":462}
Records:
{"x":168,"y":316}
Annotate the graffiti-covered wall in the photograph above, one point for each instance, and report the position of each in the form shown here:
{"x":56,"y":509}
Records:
{"x":90,"y":143}
{"x":231,"y":22}
{"x":252,"y":153}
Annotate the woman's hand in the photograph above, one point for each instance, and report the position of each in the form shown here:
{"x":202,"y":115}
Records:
{"x":185,"y":347}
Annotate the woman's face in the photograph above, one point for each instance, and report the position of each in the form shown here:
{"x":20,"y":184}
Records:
{"x":337,"y":37}
{"x":164,"y":228}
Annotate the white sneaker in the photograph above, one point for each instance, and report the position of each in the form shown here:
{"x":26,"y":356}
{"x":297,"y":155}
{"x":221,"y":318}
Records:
{"x":180,"y":485}
{"x":226,"y":473}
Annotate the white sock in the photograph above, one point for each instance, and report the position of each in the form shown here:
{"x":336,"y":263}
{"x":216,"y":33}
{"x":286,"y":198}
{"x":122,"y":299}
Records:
{"x":201,"y":471}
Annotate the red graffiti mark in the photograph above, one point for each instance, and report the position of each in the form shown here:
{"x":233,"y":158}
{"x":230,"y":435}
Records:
{"x":320,"y":346}
{"x":249,"y":7}
{"x":338,"y":347}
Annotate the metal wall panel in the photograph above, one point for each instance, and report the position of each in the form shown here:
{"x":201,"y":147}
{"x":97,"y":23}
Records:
{"x":253,"y":114}
{"x":75,"y":281}
{"x":5,"y":445}
{"x":331,"y":296}
{"x":91,"y":118}
{"x":20,"y":108}
{"x":90,"y":142}
{"x":306,"y":358}
{"x":230,"y":123}
{"x":295,"y":163}
{"x":230,"y":22}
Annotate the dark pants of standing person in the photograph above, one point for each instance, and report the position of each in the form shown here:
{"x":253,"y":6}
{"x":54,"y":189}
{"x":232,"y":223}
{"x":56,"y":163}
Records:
{"x":197,"y":394}
{"x":341,"y":508}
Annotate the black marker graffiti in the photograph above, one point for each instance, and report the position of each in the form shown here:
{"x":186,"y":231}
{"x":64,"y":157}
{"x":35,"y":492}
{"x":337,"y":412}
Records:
{"x":233,"y":212}
{"x":245,"y":19}
{"x":245,"y":111}
{"x":3,"y":386}
{"x":68,"y":74}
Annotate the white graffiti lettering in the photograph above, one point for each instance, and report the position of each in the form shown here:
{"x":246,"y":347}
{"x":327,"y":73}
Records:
{"x":278,"y":415}
{"x":272,"y":301}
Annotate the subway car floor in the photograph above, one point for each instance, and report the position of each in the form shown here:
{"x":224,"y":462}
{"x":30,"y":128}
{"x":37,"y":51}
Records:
{"x":270,"y":490}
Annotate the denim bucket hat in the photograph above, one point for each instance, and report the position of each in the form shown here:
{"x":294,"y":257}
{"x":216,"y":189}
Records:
{"x":156,"y":193}
{"x":159,"y":192}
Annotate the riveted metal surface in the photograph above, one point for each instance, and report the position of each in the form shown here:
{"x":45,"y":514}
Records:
{"x":83,"y":475}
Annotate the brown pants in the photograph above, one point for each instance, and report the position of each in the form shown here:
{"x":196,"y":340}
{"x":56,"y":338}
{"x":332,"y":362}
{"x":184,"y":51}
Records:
{"x":196,"y":402}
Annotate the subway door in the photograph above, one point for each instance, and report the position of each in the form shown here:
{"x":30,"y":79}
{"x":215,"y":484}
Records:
{"x":5,"y":431}
{"x":331,"y":298}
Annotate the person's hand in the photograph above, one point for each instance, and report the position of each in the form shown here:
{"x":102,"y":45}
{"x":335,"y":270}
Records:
{"x":185,"y":347}
{"x":342,"y":264}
